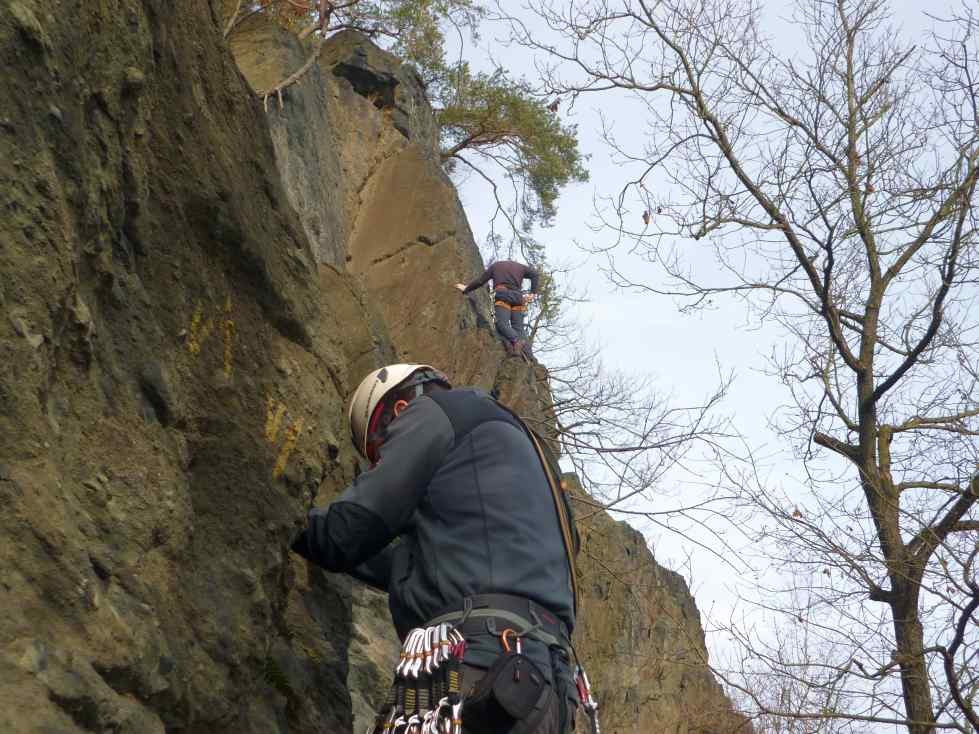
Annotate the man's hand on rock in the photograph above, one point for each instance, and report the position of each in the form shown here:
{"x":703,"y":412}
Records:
{"x":461,"y":287}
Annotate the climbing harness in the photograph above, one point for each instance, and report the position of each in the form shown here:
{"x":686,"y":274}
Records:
{"x":426,"y":695}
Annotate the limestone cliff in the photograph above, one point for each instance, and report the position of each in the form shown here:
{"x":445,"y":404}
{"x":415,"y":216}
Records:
{"x":191,"y":286}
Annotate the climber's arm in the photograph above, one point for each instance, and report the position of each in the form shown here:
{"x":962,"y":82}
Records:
{"x":534,"y":277}
{"x":477,"y":282}
{"x":376,"y":571}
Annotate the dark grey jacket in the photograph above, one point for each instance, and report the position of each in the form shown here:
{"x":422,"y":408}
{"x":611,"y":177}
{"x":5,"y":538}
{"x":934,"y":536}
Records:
{"x":460,"y":486}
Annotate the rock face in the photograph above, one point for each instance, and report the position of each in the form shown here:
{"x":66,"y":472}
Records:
{"x":191,"y":287}
{"x":641,"y":636}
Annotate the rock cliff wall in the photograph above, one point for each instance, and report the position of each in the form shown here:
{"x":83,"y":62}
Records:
{"x":191,"y":287}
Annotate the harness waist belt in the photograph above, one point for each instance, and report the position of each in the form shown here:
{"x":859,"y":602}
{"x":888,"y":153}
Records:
{"x":527,"y":618}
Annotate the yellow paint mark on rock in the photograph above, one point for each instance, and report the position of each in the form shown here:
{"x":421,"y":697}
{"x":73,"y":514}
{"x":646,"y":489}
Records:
{"x":274,"y":413}
{"x":199,"y":330}
{"x":229,"y":338}
{"x":291,"y":437}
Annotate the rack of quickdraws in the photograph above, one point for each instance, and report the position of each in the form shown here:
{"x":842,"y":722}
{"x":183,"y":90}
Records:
{"x":426,"y":696}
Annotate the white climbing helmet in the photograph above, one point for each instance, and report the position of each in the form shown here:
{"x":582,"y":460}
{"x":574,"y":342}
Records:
{"x":375,"y":386}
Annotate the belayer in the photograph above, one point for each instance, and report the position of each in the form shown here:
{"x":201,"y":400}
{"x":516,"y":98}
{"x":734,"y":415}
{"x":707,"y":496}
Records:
{"x":461,"y":520}
{"x":509,"y":301}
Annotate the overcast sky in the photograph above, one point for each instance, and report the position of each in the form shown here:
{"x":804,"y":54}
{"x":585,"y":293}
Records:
{"x":647,"y":334}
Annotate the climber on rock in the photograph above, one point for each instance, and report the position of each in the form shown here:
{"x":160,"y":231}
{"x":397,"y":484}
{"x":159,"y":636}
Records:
{"x":510,"y":302}
{"x":459,"y":520}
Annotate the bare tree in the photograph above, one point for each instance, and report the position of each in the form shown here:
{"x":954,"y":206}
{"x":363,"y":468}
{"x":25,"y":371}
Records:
{"x":628,"y":440}
{"x":776,"y":683}
{"x":814,"y":638}
{"x":836,"y":188}
{"x":962,"y":671}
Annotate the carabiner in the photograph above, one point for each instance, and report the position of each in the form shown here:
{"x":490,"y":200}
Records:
{"x":417,"y":656}
{"x":408,"y":651}
{"x":457,"y":718}
{"x":444,"y":643}
{"x":503,"y":640}
{"x":432,"y":650}
{"x":458,"y":642}
{"x":587,"y":699}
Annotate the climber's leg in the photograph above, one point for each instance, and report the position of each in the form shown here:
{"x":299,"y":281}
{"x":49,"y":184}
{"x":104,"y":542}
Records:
{"x":517,"y":321}
{"x":521,"y":347}
{"x":503,"y":312}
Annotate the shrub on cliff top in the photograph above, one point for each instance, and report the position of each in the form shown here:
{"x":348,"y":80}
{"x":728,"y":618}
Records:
{"x":492,"y":124}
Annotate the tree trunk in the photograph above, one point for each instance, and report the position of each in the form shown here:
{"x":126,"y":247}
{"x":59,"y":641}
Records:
{"x":884,"y":502}
{"x":909,"y":636}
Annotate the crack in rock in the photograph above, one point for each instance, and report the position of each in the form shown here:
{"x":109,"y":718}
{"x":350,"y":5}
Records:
{"x":418,"y":241}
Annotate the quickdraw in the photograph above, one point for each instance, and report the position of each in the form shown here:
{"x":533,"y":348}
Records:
{"x":426,"y":695}
{"x":587,"y":699}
